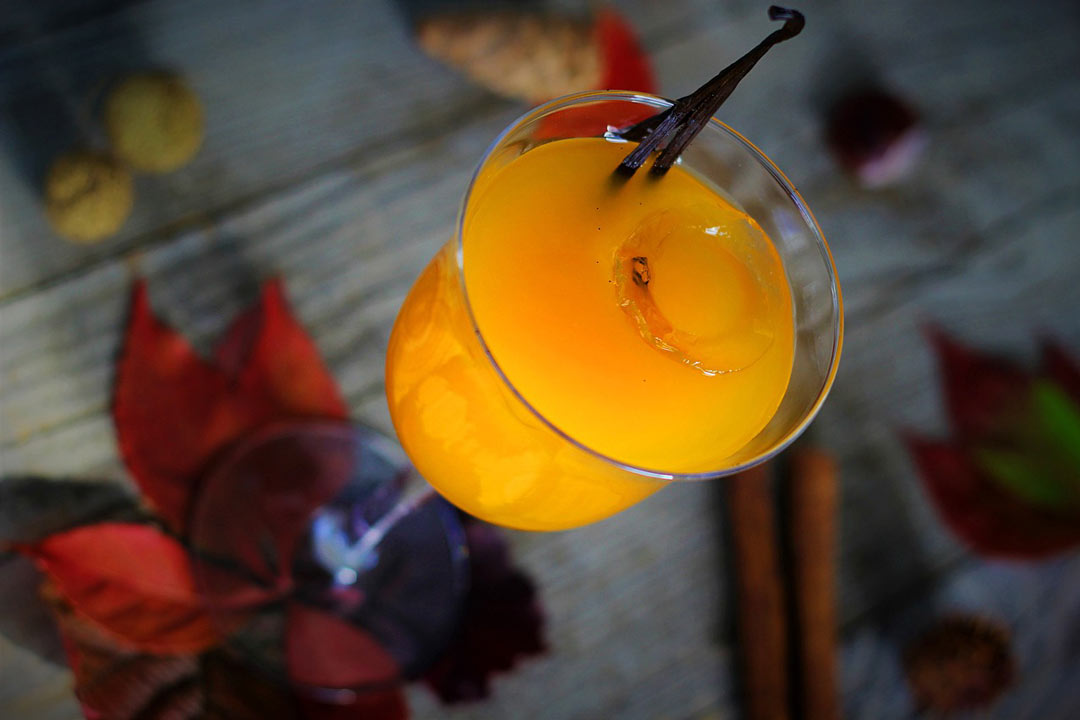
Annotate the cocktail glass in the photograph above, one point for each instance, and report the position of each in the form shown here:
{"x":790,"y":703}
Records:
{"x":327,"y":522}
{"x":482,"y":443}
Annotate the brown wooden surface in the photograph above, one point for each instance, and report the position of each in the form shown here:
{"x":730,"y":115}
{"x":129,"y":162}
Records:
{"x":336,"y":155}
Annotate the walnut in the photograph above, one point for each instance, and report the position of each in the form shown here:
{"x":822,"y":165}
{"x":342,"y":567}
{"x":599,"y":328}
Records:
{"x":88,"y":196}
{"x":154,"y":121}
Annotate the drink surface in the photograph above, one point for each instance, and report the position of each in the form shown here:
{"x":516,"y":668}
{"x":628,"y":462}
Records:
{"x":650,"y":320}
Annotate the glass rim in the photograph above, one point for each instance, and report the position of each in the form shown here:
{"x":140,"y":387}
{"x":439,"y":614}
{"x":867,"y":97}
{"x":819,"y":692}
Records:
{"x":778,"y":176}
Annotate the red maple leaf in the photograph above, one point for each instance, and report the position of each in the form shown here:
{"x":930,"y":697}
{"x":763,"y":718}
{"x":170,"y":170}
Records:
{"x":592,"y":120}
{"x":297,"y":467}
{"x":133,"y":621}
{"x":132,"y":581}
{"x":174,"y":411}
{"x":626,"y":66}
{"x":143,"y":638}
{"x":323,"y":651}
{"x":1008,"y":483}
{"x":988,"y":519}
{"x":982,"y":392}
{"x":113,"y":681}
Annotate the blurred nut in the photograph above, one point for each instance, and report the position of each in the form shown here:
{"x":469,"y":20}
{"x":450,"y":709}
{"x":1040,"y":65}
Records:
{"x":88,"y":196}
{"x":961,"y":662}
{"x":875,"y":136}
{"x":528,"y":56}
{"x":154,"y":121}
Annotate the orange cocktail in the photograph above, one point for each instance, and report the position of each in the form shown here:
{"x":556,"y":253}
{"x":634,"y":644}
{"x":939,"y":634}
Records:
{"x":588,"y":338}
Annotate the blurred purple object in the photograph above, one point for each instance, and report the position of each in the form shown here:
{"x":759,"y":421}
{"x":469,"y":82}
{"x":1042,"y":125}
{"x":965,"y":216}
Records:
{"x":875,"y":136}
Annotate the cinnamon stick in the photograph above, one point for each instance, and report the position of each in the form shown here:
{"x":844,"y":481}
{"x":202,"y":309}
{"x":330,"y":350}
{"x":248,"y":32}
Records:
{"x":759,"y":595}
{"x":813,"y":493}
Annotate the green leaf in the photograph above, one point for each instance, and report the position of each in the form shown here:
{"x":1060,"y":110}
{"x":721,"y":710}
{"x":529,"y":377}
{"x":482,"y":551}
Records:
{"x":1058,"y":421}
{"x":1041,"y":464}
{"x":1025,"y":476}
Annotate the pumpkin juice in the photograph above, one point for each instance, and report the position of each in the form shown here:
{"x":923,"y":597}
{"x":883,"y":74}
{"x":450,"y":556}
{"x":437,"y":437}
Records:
{"x":647,"y":320}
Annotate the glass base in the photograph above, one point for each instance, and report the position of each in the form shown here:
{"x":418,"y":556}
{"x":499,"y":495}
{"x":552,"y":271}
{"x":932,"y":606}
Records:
{"x":318,"y":565}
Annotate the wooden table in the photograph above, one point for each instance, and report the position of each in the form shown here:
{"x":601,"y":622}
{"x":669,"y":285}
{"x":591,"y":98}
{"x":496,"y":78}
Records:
{"x":336,"y":155}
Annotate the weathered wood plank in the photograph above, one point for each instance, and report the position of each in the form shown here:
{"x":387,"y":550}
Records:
{"x":290,"y":90}
{"x":888,"y":383}
{"x":310,"y":85}
{"x":621,"y":617}
{"x":32,"y":688}
{"x":349,"y":244}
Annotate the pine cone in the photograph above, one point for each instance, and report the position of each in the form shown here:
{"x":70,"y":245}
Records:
{"x":961,"y":662}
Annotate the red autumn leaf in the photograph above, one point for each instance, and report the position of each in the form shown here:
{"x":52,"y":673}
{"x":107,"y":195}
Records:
{"x":167,"y":410}
{"x":173,"y":410}
{"x":1061,"y":369}
{"x":985,"y":517}
{"x":592,"y":120}
{"x":234,"y":348}
{"x":501,"y":624}
{"x":626,"y":66}
{"x":133,"y":581}
{"x":141,"y":686}
{"x":278,"y":476}
{"x":1007,"y":483}
{"x":323,"y":650}
{"x":285,"y":367}
{"x":114,"y":683}
{"x":982,"y":393}
{"x":234,"y":691}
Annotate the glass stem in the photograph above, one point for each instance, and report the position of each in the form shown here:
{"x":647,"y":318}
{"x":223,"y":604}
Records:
{"x":386,"y":523}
